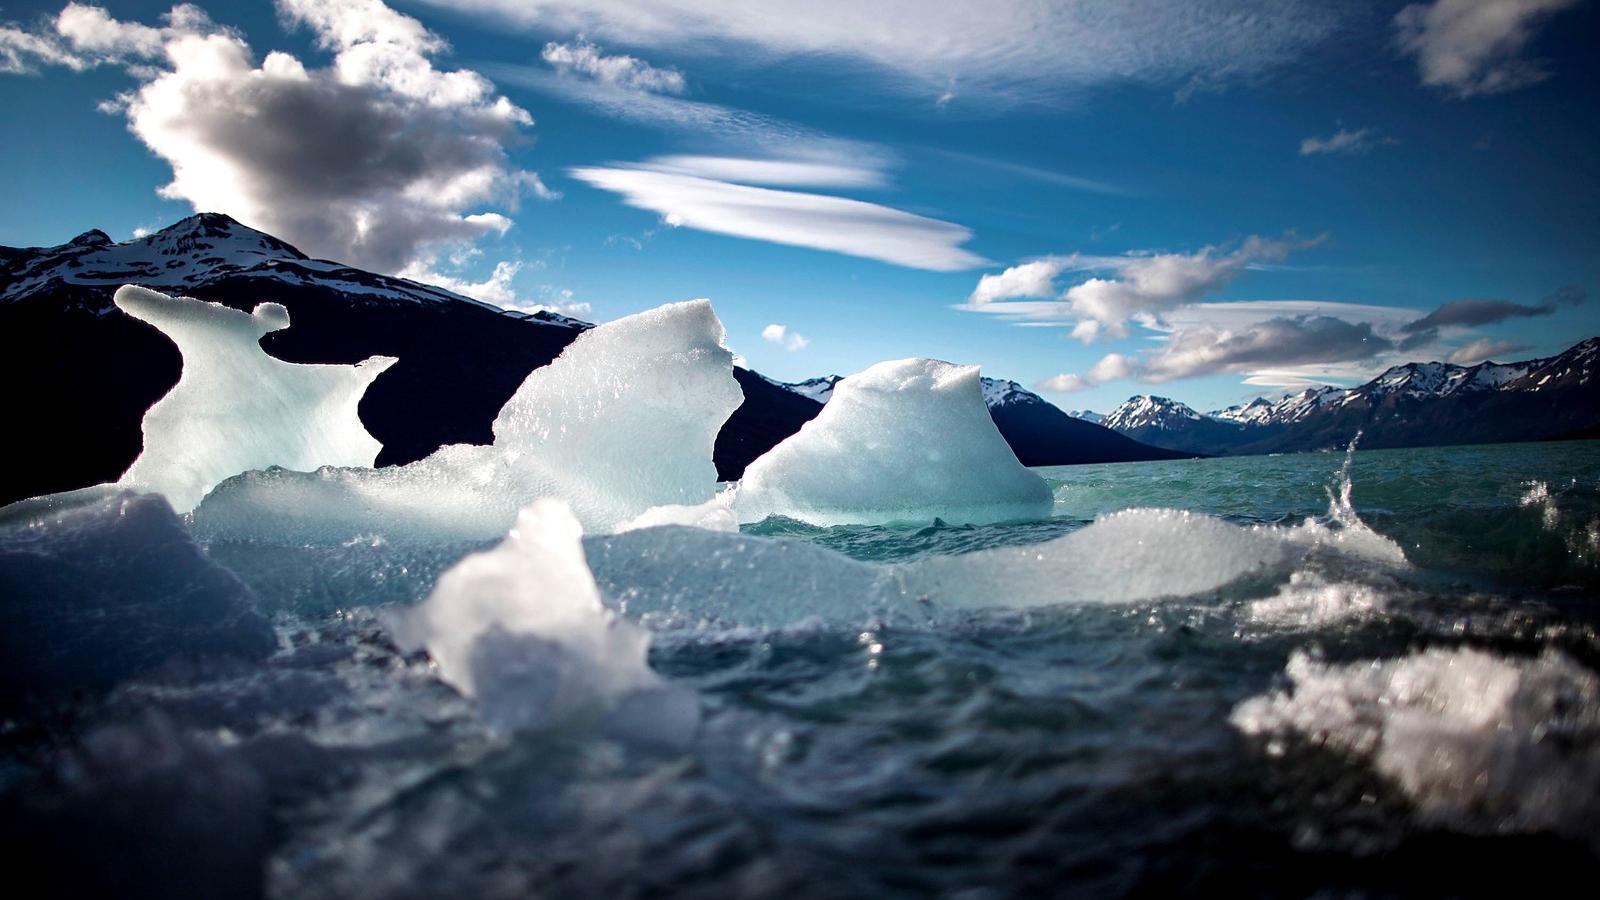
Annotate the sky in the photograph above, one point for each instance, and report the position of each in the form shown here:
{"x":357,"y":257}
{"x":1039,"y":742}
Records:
{"x":1206,"y":200}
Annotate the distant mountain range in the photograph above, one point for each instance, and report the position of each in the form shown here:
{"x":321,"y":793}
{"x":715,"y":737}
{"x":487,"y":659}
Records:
{"x":1414,"y":405}
{"x":80,"y":373}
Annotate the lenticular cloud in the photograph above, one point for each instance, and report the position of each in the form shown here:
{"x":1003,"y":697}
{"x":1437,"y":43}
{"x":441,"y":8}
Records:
{"x":235,"y":408}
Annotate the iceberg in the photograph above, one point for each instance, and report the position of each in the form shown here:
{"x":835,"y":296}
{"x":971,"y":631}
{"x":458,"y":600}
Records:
{"x":622,"y":422}
{"x":904,"y":441}
{"x":103,"y":584}
{"x":521,"y":630}
{"x":235,"y":408}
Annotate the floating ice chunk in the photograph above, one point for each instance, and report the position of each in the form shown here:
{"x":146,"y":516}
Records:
{"x":1477,"y":741}
{"x":1123,"y":557}
{"x":677,"y":576}
{"x":623,"y":421}
{"x":521,"y":629}
{"x":235,"y":408}
{"x":101,"y":584}
{"x":908,"y":440}
{"x":713,"y":515}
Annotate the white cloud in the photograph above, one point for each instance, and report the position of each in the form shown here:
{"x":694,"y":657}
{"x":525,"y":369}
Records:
{"x":818,"y":221}
{"x":628,"y":72}
{"x":1111,"y":367}
{"x":1142,"y":287}
{"x":1063,"y":384}
{"x":783,"y":337}
{"x":496,"y":289}
{"x":1030,"y":279}
{"x":372,"y":160}
{"x":1345,"y":141}
{"x":1484,"y":349}
{"x":1474,"y":47}
{"x":1005,"y":48}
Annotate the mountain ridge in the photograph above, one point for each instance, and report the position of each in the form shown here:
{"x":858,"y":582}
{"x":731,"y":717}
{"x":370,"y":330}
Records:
{"x":1411,"y":404}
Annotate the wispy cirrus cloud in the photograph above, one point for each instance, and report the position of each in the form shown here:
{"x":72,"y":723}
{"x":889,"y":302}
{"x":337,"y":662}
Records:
{"x":1003,"y":48}
{"x":793,"y":218}
{"x":1344,"y":141}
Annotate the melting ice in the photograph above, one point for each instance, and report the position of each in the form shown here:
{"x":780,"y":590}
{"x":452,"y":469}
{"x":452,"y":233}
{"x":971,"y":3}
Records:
{"x":904,"y":441}
{"x":235,"y":408}
{"x":622,"y":422}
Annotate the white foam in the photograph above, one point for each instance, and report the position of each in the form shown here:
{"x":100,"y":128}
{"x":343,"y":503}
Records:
{"x":904,"y":441}
{"x":1312,"y":600}
{"x":623,"y":421}
{"x":521,"y":629}
{"x":1477,"y":741}
{"x":235,"y":408}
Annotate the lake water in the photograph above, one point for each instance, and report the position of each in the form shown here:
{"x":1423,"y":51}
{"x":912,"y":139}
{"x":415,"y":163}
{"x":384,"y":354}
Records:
{"x":1361,"y":675}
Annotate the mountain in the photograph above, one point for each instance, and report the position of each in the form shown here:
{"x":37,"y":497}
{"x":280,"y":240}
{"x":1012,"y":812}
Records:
{"x":81,"y":373}
{"x":1038,"y":432}
{"x":1412,"y":405}
{"x":1088,"y":415}
{"x":1163,"y":422}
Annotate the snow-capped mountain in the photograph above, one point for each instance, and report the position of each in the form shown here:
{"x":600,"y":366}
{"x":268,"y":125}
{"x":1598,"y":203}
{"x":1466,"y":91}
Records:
{"x":1148,"y":411}
{"x":1164,"y":422}
{"x":203,"y":250}
{"x":818,"y":389}
{"x":1414,"y":404}
{"x":1088,"y":415}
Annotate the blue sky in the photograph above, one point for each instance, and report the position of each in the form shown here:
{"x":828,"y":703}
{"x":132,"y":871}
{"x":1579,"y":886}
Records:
{"x":1208,"y":200}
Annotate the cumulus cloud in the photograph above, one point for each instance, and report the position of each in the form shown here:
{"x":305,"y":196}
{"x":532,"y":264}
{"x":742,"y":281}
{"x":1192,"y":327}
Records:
{"x":372,"y":160}
{"x":496,"y":289}
{"x":1002,"y":48}
{"x":1278,"y":342}
{"x":1030,"y":279}
{"x":1475,"y":47}
{"x":783,"y":337}
{"x":794,"y":218}
{"x":1136,"y":286}
{"x":1483,"y":349}
{"x":631,"y":73}
{"x":1111,"y":367}
{"x":1344,"y":141}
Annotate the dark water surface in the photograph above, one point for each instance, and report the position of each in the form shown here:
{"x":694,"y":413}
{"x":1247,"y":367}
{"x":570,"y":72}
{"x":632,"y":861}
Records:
{"x":1412,"y":709}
